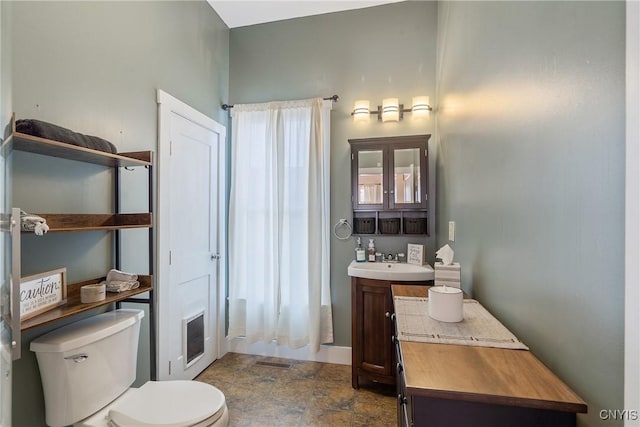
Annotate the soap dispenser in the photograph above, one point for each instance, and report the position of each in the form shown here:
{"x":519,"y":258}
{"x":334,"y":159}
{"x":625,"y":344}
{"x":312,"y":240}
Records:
{"x":372,"y":251}
{"x":360,"y":256}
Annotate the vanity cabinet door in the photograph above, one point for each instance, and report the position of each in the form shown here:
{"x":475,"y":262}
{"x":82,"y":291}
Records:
{"x":372,"y":349}
{"x":403,"y":403}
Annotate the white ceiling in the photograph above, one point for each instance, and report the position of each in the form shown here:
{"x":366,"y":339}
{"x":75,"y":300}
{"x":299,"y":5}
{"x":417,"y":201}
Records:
{"x":240,"y":13}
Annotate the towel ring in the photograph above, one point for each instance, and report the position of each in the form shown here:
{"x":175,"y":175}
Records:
{"x":340,"y":224}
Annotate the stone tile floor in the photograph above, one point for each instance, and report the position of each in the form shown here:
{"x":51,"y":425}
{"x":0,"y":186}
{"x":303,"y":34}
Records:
{"x":304,"y":394}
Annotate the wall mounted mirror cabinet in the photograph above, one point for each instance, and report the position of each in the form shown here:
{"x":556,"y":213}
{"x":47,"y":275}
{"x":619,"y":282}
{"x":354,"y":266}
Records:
{"x":389,"y":185}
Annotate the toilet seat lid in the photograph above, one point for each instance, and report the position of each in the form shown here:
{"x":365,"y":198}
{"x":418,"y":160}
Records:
{"x":168,"y":404}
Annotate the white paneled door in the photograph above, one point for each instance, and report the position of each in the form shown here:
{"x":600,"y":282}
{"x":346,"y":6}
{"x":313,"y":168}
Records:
{"x":189,"y":249}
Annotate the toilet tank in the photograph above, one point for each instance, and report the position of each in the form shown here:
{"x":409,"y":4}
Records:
{"x":87,"y":364}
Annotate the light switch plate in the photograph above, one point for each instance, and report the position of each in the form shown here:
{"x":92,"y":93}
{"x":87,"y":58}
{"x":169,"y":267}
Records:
{"x":452,"y":231}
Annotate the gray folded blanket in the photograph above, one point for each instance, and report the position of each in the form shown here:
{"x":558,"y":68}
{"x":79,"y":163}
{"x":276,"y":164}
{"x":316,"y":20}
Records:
{"x":56,"y":133}
{"x":35,"y":223}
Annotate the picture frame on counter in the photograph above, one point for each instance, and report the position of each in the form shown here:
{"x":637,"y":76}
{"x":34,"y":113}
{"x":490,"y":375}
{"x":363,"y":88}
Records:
{"x":42,"y":292}
{"x":415,"y":254}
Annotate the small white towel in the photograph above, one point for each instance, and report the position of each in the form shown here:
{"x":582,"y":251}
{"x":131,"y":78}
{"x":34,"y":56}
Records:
{"x":120,"y":286}
{"x":121,"y":276}
{"x":34,"y":223}
{"x":120,"y":281}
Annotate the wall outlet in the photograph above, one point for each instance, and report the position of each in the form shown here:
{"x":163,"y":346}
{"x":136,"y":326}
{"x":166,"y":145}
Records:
{"x":452,"y":231}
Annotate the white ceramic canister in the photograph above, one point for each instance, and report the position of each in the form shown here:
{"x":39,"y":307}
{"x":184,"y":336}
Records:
{"x":445,"y":304}
{"x":92,"y":293}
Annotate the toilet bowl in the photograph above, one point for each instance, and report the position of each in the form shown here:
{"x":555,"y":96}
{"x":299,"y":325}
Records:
{"x":87,"y":369}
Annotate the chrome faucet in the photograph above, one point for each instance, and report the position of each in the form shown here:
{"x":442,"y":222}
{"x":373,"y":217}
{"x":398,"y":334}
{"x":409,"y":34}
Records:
{"x":390,"y":257}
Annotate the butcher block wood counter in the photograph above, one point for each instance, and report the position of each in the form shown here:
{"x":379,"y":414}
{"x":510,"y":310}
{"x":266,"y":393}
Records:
{"x":443,"y":384}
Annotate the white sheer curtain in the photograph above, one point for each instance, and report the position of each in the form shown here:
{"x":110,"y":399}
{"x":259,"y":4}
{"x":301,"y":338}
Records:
{"x":279,"y":223}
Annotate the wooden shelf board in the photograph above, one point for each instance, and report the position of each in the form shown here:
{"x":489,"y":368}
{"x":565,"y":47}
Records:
{"x":89,"y":222}
{"x":74,"y":306}
{"x":47,"y":147}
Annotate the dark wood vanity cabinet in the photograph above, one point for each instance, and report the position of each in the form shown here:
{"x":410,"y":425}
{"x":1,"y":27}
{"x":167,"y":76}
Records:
{"x":373,"y":353}
{"x":389,"y":185}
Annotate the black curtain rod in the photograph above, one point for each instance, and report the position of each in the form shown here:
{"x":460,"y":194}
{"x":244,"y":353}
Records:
{"x":334,"y":98}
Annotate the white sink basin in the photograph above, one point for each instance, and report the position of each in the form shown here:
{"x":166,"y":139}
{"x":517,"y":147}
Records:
{"x":390,"y":271}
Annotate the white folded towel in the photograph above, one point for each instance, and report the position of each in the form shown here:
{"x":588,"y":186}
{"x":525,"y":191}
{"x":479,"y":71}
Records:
{"x":34,"y":223}
{"x":121,"y":286}
{"x":120,"y":281}
{"x":120,"y":276}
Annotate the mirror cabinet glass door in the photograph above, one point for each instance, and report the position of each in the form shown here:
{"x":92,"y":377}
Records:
{"x":407,"y":187}
{"x":370,"y":177}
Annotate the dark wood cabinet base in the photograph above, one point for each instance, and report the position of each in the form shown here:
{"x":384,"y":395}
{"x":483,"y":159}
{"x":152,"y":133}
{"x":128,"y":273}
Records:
{"x":435,"y":412}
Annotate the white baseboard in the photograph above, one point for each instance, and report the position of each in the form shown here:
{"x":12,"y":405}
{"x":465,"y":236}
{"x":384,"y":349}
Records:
{"x":327,"y":353}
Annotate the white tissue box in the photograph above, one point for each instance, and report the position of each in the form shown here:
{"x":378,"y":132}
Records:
{"x":447,"y":275}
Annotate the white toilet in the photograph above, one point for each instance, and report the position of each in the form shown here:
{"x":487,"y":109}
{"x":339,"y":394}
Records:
{"x":88,"y":366}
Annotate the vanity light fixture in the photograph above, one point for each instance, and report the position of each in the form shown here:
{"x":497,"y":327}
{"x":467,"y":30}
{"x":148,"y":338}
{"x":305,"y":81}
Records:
{"x":391,"y":110}
{"x":420,"y":107}
{"x":361,"y":111}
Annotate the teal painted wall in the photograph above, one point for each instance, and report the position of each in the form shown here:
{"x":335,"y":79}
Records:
{"x":531,"y":169}
{"x":370,"y":53}
{"x":5,"y":68}
{"x":94,"y":67}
